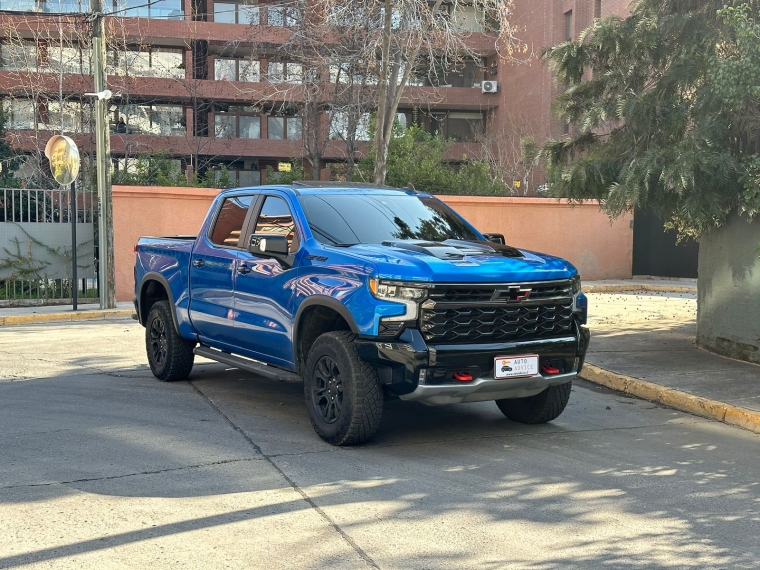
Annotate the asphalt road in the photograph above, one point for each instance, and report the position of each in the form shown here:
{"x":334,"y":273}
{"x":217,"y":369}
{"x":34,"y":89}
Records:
{"x":102,"y":466}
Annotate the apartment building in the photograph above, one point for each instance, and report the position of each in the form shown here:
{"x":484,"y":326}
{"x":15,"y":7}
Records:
{"x":207,"y":83}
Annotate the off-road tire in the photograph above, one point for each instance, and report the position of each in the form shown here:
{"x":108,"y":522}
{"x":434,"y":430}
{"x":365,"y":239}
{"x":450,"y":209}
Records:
{"x":538,"y":409}
{"x":170,"y":356}
{"x":343,"y":397}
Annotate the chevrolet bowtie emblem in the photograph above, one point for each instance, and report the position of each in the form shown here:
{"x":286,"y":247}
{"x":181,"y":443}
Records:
{"x":512,"y":294}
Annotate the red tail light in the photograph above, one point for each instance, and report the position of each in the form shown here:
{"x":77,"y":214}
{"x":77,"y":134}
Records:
{"x":135,"y":249}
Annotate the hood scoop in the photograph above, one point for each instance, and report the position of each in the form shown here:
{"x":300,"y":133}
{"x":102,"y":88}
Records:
{"x":452,"y":250}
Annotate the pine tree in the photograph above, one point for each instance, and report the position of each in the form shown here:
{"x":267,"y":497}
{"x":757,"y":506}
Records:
{"x":665,"y":106}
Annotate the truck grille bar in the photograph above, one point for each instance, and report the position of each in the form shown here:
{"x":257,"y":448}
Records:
{"x":497,"y":313}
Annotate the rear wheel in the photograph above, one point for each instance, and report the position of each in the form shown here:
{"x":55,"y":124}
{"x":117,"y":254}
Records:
{"x":538,"y":409}
{"x":343,"y":397}
{"x":170,"y":356}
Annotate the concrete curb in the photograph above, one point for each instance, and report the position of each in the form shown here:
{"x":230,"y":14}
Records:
{"x":37,"y":318}
{"x":704,"y":407}
{"x":637,"y":287}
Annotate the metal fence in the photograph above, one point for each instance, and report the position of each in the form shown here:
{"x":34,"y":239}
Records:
{"x":35,"y":246}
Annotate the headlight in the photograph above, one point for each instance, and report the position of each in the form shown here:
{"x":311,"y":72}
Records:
{"x":576,"y":284}
{"x":409,"y":296}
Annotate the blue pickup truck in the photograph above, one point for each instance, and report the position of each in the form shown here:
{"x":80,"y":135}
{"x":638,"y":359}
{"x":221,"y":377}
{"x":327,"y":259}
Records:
{"x":365,"y":293}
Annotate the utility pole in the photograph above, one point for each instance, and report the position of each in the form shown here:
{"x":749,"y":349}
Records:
{"x":106,"y":276}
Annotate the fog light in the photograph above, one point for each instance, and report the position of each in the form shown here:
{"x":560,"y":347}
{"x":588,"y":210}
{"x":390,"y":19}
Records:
{"x":462,"y":376}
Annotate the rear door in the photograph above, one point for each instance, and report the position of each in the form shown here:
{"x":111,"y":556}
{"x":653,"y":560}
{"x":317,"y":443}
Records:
{"x":212,"y":271}
{"x":264,"y":287}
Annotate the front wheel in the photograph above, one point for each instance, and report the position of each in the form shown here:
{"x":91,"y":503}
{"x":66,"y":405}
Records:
{"x":170,"y":356}
{"x":538,"y":409}
{"x":343,"y":396}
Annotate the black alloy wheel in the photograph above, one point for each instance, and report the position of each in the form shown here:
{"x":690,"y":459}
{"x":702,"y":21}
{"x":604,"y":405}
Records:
{"x":327,"y":390}
{"x":158,"y":341}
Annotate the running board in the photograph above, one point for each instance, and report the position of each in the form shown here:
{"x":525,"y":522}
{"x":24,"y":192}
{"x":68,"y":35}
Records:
{"x":245,"y":364}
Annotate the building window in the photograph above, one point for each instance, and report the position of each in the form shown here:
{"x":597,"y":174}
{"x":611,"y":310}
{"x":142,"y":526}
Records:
{"x":165,"y":120}
{"x":22,"y":114}
{"x":290,"y":128}
{"x":28,"y":57}
{"x":348,"y":74}
{"x":170,"y":9}
{"x":279,"y":72}
{"x":237,"y":123}
{"x":282,"y":16}
{"x":569,"y":25}
{"x":236,"y":13}
{"x":339,"y":128}
{"x":467,"y":18}
{"x":464,"y":127}
{"x":147,"y":62}
{"x":226,"y":69}
{"x":48,"y":115}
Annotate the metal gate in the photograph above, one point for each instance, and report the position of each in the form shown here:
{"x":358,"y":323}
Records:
{"x":35,"y":246}
{"x":655,"y":251}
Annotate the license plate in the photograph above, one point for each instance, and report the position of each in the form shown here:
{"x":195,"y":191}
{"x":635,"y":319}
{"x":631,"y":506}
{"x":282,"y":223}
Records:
{"x":515,"y":366}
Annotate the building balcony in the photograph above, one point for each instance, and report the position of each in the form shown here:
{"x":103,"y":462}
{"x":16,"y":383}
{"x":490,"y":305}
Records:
{"x":21,"y":84}
{"x":221,"y":148}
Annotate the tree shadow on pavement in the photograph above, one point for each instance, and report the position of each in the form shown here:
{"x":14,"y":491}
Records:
{"x":634,"y":486}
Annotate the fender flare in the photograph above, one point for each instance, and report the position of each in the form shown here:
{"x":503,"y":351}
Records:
{"x":155,"y":276}
{"x":321,"y":301}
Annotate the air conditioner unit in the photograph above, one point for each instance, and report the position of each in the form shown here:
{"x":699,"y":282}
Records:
{"x":489,"y":86}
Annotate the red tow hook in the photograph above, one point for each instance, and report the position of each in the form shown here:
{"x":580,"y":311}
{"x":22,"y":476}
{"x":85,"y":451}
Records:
{"x":462,"y":376}
{"x":549,"y":369}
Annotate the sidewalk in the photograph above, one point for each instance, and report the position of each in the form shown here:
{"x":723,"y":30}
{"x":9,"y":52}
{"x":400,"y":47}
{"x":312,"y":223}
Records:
{"x":642,"y":343}
{"x":62,"y":313}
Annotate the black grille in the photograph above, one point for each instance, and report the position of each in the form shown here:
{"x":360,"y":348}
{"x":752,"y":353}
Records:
{"x":476,"y":294}
{"x":491,"y":314}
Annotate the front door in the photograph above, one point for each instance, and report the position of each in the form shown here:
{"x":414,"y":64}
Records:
{"x":264,"y":290}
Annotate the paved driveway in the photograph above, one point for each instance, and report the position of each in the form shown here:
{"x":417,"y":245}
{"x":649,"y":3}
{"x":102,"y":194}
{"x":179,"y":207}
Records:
{"x":101,"y":466}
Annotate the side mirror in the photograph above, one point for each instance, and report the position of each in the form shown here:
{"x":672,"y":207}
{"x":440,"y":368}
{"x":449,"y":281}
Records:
{"x":495,"y":238}
{"x":268,"y":245}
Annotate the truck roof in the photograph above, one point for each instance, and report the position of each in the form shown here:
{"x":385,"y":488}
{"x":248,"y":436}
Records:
{"x":319,"y":187}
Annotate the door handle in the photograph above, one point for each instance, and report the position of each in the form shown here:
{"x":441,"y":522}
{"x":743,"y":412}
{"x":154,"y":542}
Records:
{"x":199,"y":262}
{"x":243,"y":268}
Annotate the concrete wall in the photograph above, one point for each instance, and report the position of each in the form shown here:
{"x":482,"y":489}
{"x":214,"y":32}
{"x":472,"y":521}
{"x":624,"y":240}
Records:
{"x":728,"y":314}
{"x":582,"y":234}
{"x":148,"y":211}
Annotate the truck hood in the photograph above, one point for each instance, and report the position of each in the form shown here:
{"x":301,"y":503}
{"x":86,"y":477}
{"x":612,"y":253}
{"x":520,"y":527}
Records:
{"x":454,"y":261}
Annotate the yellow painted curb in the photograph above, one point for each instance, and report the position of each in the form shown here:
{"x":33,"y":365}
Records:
{"x":64,"y":317}
{"x":625,"y":288}
{"x":712,"y":409}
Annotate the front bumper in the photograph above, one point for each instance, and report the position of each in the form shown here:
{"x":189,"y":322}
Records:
{"x":415,"y":371}
{"x":486,"y":389}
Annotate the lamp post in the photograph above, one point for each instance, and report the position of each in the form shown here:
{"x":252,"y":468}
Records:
{"x":102,"y":160}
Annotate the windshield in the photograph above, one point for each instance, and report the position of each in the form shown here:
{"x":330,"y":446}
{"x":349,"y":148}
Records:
{"x":350,"y":219}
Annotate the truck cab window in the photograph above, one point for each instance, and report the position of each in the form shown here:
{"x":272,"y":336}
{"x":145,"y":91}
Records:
{"x":276,"y":218}
{"x":229,"y":222}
